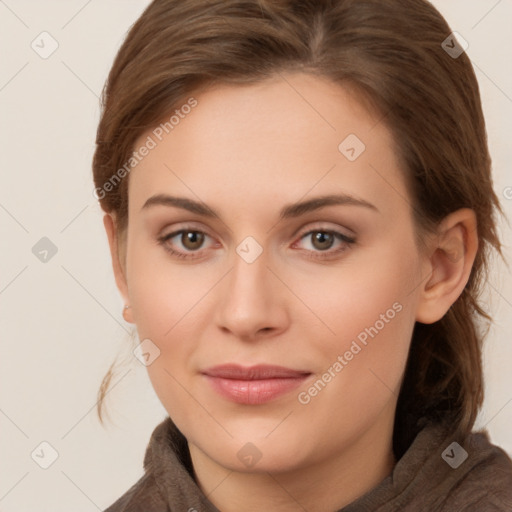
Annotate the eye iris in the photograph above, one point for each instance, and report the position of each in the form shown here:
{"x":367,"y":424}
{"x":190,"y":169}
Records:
{"x":323,"y":240}
{"x":192,"y":239}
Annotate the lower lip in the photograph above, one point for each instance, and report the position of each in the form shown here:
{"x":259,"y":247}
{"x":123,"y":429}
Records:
{"x":253,"y":392}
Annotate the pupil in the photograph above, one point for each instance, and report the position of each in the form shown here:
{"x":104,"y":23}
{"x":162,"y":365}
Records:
{"x":193,"y":239}
{"x":324,"y":240}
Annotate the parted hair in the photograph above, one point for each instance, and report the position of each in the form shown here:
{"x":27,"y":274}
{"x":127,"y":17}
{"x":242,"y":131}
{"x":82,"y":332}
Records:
{"x":392,"y":52}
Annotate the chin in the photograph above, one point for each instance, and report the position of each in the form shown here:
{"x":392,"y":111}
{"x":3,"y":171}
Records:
{"x":251,"y":452}
{"x":269,"y":458}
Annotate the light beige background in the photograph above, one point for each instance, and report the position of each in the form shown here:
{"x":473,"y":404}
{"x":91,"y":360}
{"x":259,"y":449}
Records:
{"x":61,"y":321}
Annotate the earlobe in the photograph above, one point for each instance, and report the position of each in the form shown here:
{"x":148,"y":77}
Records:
{"x":451,"y":260}
{"x":119,"y":272}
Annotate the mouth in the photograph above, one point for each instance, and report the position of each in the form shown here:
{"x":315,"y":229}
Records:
{"x":253,"y":385}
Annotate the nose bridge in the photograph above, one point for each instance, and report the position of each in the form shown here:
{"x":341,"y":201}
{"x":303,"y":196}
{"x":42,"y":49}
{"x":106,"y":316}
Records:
{"x":251,"y":301}
{"x":250,"y":268}
{"x":248,"y":281}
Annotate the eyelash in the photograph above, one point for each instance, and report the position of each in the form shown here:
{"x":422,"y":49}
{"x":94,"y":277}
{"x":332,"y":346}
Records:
{"x":314,"y":255}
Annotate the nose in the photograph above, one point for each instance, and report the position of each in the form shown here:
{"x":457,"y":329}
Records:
{"x":252,"y":301}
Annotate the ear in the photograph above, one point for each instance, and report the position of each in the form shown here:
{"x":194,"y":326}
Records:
{"x":451,"y":259}
{"x":117,"y":263}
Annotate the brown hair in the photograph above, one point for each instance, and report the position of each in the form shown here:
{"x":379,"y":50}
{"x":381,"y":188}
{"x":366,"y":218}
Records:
{"x":390,"y":51}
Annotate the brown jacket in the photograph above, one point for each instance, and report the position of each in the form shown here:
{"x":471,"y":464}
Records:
{"x":433,"y":475}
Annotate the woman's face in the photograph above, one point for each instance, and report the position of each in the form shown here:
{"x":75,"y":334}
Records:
{"x":308,"y":266}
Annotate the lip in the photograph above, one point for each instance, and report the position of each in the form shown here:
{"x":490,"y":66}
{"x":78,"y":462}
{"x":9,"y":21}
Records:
{"x":252,"y":385}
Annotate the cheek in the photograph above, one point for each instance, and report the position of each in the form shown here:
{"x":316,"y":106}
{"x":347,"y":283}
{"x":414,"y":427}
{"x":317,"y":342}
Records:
{"x":168,"y":302}
{"x":359,"y":372}
{"x":164,"y":294}
{"x":365,"y":297}
{"x":370,"y":315}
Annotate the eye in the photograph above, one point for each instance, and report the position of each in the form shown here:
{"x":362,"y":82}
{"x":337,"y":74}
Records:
{"x":188,"y":243}
{"x":322,"y":240}
{"x":191,"y":240}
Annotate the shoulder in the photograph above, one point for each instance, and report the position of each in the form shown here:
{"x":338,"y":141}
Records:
{"x":143,"y":496}
{"x":486,"y":482}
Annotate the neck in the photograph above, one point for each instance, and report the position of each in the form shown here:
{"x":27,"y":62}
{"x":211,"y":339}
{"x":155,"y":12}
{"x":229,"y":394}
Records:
{"x":325,"y":486}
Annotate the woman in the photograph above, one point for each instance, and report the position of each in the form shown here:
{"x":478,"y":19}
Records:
{"x":300,"y":213}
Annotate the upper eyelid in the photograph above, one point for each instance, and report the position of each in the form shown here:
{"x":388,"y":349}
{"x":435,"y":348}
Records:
{"x":318,"y":226}
{"x":186,"y":227}
{"x":308,"y":230}
{"x":311,"y":226}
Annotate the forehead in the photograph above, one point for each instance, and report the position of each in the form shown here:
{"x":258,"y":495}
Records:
{"x":276,"y":139}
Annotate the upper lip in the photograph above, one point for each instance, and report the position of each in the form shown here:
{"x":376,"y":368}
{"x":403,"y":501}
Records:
{"x":257,"y":372}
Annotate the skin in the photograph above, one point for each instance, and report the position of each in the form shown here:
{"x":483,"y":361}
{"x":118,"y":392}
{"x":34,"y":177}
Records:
{"x":246,"y":152}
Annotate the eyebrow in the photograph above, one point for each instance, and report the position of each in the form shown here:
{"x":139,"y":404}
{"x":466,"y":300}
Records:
{"x":289,"y":211}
